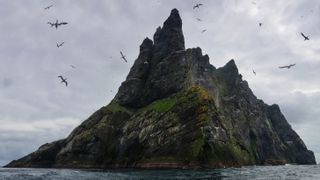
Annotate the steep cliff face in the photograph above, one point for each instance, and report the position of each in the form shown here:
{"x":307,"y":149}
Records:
{"x":176,"y":110}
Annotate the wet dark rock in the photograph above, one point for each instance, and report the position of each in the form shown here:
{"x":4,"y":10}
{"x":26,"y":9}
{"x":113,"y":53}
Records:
{"x":176,"y":110}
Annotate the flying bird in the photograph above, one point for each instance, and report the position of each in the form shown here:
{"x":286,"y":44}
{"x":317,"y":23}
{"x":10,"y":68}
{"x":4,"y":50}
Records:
{"x":254,"y":72}
{"x":57,"y":24}
{"x":54,"y":24}
{"x":63,"y":80}
{"x":48,"y":7}
{"x":305,"y":37}
{"x":123,"y":57}
{"x":203,"y":30}
{"x":199,"y":19}
{"x":260,"y":24}
{"x":288,"y":66}
{"x":197,"y":6}
{"x":72,"y":66}
{"x":59,"y":45}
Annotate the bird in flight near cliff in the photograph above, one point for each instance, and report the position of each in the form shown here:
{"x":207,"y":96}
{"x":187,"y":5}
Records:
{"x":59,"y":45}
{"x":57,"y":24}
{"x":197,"y":6}
{"x":203,"y":30}
{"x":63,"y":80}
{"x":288,"y":67}
{"x":123,"y":56}
{"x":48,"y":7}
{"x":199,"y":19}
{"x":305,"y":37}
{"x":254,"y":72}
{"x":260,"y":24}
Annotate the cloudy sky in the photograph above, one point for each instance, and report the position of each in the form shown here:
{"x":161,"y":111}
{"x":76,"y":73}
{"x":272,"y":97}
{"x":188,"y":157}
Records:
{"x":35,"y":108}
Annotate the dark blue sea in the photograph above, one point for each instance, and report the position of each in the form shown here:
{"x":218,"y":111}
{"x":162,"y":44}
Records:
{"x":247,"y":173}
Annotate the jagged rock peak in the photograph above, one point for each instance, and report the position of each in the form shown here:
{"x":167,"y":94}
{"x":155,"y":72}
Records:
{"x":231,"y":67}
{"x":142,"y":84}
{"x":147,"y":44}
{"x":230,"y":73}
{"x":174,"y":20}
{"x":170,"y":37}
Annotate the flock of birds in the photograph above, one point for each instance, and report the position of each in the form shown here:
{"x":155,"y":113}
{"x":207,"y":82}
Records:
{"x":306,"y":38}
{"x":56,"y":25}
{"x":196,"y":6}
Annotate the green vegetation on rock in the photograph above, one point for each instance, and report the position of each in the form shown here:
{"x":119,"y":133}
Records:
{"x":163,"y":105}
{"x":116,"y":107}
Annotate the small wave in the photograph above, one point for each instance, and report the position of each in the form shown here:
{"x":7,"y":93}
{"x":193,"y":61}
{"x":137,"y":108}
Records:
{"x":252,"y":172}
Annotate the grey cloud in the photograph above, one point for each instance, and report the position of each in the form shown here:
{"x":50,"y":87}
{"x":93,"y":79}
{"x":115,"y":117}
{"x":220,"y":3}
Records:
{"x":6,"y":82}
{"x":300,"y":107}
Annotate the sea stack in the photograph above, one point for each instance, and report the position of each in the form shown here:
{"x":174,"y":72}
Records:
{"x":176,"y":110}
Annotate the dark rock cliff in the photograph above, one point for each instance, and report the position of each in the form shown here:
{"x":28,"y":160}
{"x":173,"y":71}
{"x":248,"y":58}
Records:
{"x":176,"y":110}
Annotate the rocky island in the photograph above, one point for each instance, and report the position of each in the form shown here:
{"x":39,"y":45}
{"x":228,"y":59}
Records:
{"x":176,"y":110}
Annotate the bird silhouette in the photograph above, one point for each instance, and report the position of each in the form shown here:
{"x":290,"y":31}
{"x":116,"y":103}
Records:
{"x":199,"y":19}
{"x":197,"y":6}
{"x":305,"y":37}
{"x":63,"y":80}
{"x":260,"y":24}
{"x":288,"y":66}
{"x":57,"y":24}
{"x":54,"y":24}
{"x":59,"y":45}
{"x":48,"y":7}
{"x":254,"y":72}
{"x":123,"y":56}
{"x":203,"y":30}
{"x":72,"y":66}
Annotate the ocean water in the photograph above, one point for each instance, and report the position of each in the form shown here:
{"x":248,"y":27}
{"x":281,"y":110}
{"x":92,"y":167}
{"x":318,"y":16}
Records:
{"x":246,"y":173}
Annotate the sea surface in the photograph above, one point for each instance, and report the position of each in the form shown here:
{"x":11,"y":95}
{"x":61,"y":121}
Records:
{"x":247,"y":173}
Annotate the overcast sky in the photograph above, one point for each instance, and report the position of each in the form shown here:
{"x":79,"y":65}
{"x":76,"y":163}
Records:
{"x":36,"y":108}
